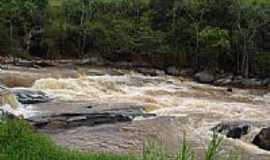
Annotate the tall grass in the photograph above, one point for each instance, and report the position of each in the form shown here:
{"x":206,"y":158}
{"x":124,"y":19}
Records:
{"x":185,"y":153}
{"x":18,"y":141}
{"x":213,"y":148}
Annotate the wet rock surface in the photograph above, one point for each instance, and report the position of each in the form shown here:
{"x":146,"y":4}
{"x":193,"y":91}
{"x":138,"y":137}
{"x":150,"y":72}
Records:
{"x":233,"y":129}
{"x":204,"y":77}
{"x":28,"y":96}
{"x":173,"y":71}
{"x":63,"y":115}
{"x":151,"y":72}
{"x":262,"y":140}
{"x":122,"y":138}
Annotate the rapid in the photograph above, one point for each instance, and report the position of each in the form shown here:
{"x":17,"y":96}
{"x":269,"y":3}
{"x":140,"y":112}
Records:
{"x":192,"y":109}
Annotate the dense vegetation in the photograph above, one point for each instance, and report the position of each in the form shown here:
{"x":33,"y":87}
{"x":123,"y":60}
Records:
{"x":18,"y":141}
{"x":228,"y":35}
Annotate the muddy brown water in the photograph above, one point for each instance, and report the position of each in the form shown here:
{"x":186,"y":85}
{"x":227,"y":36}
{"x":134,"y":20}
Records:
{"x":181,"y":106}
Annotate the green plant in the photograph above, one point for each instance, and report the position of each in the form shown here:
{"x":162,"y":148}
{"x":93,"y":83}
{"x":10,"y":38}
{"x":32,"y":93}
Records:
{"x":154,"y":151}
{"x":185,"y":153}
{"x":214,"y":147}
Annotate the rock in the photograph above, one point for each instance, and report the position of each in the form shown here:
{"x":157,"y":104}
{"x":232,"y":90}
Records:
{"x":65,"y":115}
{"x":25,"y":96}
{"x":233,"y":130}
{"x":204,"y":77}
{"x":266,"y":82}
{"x":262,"y":140}
{"x":151,"y":72}
{"x":173,"y":71}
{"x":71,"y":120}
{"x":25,"y":63}
{"x":186,"y":72}
{"x":224,"y":81}
{"x":237,"y":80}
{"x":251,"y":82}
{"x":229,"y":90}
{"x":121,"y":138}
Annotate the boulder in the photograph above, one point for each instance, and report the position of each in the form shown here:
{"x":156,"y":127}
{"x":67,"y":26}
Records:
{"x":204,"y":77}
{"x":173,"y":71}
{"x":233,"y":130}
{"x":229,"y":89}
{"x":266,"y":82}
{"x":224,"y":81}
{"x":151,"y":72}
{"x":26,"y":96}
{"x":262,"y":140}
{"x":251,"y":82}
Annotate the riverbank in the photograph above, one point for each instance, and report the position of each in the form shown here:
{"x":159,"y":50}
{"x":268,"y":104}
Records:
{"x":18,"y":141}
{"x":220,"y":78}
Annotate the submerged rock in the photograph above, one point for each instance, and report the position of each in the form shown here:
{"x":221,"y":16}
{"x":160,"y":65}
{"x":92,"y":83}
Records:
{"x":26,"y":96}
{"x":262,"y":140}
{"x":233,"y":130}
{"x":204,"y":77}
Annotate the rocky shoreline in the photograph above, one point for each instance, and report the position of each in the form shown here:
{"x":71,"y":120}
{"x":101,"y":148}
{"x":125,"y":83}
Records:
{"x":205,"y":77}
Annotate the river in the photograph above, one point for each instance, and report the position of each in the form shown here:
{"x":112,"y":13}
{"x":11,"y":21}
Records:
{"x":181,"y":107}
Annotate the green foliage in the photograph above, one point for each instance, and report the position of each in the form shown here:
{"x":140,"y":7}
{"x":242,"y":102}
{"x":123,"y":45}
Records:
{"x":186,"y":153}
{"x":214,"y":148}
{"x":195,"y":33}
{"x":215,"y":39}
{"x":263,"y":61}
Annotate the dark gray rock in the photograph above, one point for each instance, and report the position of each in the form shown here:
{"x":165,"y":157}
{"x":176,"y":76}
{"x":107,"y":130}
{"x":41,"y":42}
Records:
{"x":173,"y":71}
{"x":229,"y":89}
{"x":233,"y":130}
{"x":224,"y":80}
{"x":251,"y":82}
{"x":71,"y":120}
{"x":204,"y":77}
{"x":25,"y":96}
{"x":151,"y":72}
{"x":262,"y":140}
{"x":266,"y":82}
{"x":62,"y":115}
{"x":3,"y":67}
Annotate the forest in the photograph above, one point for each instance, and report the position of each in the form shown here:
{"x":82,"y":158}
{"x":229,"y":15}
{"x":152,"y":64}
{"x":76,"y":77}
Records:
{"x":217,"y":35}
